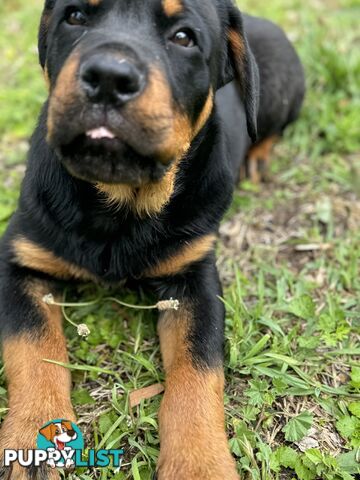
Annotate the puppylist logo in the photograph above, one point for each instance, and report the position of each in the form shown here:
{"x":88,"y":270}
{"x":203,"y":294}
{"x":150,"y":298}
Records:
{"x":60,"y":444}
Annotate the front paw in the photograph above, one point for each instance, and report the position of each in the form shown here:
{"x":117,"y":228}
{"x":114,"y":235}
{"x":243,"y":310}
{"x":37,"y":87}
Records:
{"x":19,"y":432}
{"x":205,"y":465}
{"x":13,"y":439}
{"x":15,"y":472}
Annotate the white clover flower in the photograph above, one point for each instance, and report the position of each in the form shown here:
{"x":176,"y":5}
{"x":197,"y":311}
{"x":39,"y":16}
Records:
{"x":168,"y":305}
{"x":83,"y":330}
{"x":49,"y":299}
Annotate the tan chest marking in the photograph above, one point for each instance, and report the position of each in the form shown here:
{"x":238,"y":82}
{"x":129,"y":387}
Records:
{"x":190,"y":253}
{"x":31,"y":255}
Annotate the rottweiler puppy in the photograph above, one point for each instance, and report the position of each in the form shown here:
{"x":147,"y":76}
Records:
{"x":129,"y":175}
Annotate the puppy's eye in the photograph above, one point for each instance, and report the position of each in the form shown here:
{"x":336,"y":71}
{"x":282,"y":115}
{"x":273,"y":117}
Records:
{"x":184,"y":38}
{"x":75,"y":17}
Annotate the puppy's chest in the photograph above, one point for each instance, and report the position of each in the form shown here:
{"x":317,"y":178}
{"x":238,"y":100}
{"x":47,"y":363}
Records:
{"x":112,"y":262}
{"x":81,"y":260}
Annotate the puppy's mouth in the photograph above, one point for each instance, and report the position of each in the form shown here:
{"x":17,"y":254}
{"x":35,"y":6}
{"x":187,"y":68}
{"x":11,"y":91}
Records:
{"x":100,"y":133}
{"x":99,"y":156}
{"x":59,"y":445}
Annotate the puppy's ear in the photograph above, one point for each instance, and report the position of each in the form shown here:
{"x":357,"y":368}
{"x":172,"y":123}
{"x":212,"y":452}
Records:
{"x":67,"y":424}
{"x":43,"y":31}
{"x":48,"y":432}
{"x":240,"y":65}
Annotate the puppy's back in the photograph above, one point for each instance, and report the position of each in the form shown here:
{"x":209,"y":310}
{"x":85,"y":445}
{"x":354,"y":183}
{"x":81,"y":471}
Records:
{"x":282,"y":80}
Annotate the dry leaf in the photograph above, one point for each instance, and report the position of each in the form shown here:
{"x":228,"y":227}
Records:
{"x":145,"y":393}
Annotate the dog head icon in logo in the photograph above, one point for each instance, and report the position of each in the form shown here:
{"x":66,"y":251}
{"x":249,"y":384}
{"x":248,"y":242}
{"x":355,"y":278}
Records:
{"x":60,"y":436}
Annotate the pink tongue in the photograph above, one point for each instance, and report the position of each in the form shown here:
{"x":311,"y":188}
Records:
{"x":99,"y":133}
{"x":60,"y":445}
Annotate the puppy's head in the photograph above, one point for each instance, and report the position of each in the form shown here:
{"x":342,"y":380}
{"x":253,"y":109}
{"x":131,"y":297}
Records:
{"x":132,"y":83}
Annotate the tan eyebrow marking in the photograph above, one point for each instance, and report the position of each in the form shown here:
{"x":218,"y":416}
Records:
{"x":172,"y":7}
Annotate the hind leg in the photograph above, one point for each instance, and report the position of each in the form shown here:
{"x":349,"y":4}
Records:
{"x":258,"y":159}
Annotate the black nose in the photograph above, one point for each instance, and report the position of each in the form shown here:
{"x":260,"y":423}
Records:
{"x":108,"y":80}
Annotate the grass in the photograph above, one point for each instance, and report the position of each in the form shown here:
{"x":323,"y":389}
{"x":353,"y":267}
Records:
{"x":290,"y":263}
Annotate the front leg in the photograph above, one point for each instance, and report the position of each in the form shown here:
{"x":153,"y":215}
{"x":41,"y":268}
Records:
{"x":192,"y":426}
{"x":38,"y":391}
